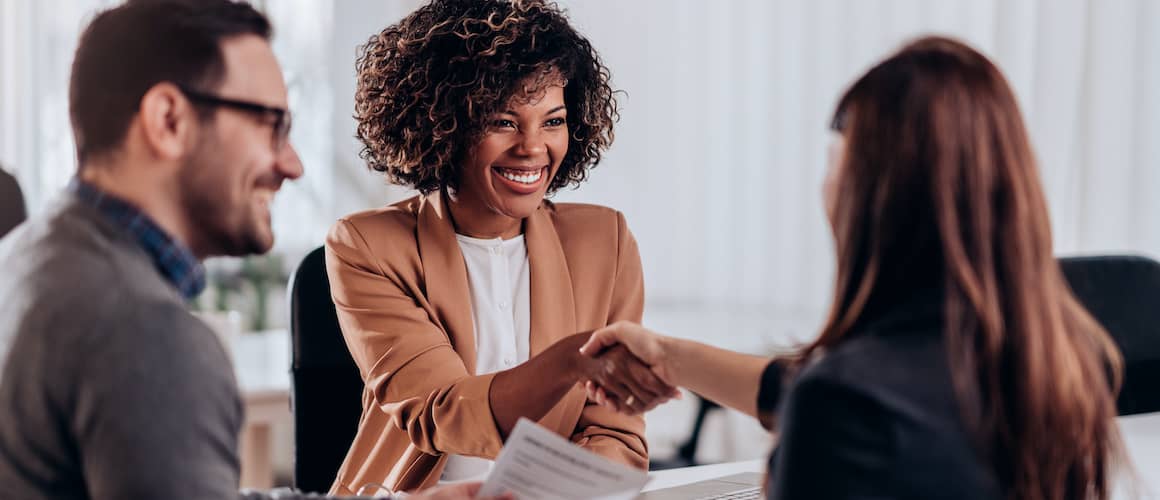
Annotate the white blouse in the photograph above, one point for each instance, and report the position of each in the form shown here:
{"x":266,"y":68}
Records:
{"x":498,"y":275}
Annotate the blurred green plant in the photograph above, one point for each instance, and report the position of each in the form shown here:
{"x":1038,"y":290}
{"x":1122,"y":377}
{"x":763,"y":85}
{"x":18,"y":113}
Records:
{"x":248,"y":280}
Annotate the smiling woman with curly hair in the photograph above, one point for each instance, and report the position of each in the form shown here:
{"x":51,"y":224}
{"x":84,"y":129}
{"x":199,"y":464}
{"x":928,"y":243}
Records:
{"x":462,"y":306}
{"x":428,"y":87}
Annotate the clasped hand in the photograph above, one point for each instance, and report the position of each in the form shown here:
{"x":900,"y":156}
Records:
{"x":622,"y":379}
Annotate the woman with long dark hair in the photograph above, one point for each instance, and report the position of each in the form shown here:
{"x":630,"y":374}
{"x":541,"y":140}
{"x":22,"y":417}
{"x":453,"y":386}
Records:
{"x":955,"y":362}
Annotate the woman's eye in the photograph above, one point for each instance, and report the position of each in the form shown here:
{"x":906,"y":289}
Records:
{"x":502,"y":123}
{"x":554,"y":122}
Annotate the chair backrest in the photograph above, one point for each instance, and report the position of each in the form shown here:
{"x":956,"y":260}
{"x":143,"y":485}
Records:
{"x":12,"y":211}
{"x":1123,"y":293}
{"x":327,"y":389}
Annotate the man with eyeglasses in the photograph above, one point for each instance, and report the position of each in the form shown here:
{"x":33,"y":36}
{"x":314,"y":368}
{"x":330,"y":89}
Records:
{"x":109,"y":388}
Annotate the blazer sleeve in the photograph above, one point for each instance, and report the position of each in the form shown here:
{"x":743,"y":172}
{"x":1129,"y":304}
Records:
{"x":600,"y":430}
{"x":405,"y":358}
{"x":769,"y":393}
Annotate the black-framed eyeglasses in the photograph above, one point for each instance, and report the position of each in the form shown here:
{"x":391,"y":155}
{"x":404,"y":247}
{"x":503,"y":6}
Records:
{"x":838,"y":123}
{"x":282,"y":119}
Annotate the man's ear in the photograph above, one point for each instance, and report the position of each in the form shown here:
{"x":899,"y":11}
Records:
{"x":168,"y":121}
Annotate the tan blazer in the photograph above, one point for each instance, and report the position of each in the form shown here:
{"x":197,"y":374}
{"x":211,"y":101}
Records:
{"x":400,"y":286}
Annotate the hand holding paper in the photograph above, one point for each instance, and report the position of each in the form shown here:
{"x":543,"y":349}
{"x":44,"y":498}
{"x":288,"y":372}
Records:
{"x":536,"y":464}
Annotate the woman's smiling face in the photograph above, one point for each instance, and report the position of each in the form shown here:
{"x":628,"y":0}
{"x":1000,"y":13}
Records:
{"x":508,"y":172}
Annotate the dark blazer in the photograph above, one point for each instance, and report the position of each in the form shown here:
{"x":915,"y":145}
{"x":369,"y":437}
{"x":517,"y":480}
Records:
{"x":877,"y":418}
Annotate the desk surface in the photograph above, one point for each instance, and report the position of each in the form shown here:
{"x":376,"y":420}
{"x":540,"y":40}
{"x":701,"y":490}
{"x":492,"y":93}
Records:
{"x":662,"y":479}
{"x":1141,"y":435}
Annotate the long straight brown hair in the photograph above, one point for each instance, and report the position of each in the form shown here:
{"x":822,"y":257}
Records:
{"x":939,"y":188}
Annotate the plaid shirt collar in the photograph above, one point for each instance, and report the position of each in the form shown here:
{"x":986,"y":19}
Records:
{"x":176,"y":262}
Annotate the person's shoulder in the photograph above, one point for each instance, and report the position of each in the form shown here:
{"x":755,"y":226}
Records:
{"x":830,"y":422}
{"x":836,"y":371}
{"x":875,"y":356}
{"x":394,"y":218}
{"x":61,"y":234}
{"x":173,"y":333}
{"x":161,"y":314}
{"x":102,"y":332}
{"x":74,"y":259}
{"x":585,"y":218}
{"x":568,"y":210}
{"x":842,"y":392}
{"x":142,"y":323}
{"x":826,"y":406}
{"x":383,"y":227}
{"x":852,"y":371}
{"x":905,"y":373}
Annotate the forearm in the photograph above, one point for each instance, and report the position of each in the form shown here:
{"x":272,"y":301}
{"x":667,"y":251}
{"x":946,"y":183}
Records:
{"x":531,"y":389}
{"x":726,"y":377}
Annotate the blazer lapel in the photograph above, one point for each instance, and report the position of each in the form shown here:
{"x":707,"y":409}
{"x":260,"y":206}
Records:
{"x":445,"y":276}
{"x":553,"y":308}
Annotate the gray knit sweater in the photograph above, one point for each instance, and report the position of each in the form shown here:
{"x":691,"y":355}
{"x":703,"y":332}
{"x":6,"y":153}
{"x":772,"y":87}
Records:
{"x":109,"y":387}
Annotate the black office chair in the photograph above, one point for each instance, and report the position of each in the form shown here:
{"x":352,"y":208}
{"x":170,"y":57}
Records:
{"x":327,"y":389}
{"x":1123,"y":293}
{"x":12,"y":211}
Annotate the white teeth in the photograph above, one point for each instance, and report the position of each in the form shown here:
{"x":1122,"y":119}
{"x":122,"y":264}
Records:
{"x":522,"y":178}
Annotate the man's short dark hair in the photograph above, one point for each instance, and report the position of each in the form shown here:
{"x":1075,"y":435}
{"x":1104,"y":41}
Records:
{"x":127,"y":50}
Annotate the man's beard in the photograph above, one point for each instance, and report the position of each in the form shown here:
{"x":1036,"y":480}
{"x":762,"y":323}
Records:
{"x":222,"y":225}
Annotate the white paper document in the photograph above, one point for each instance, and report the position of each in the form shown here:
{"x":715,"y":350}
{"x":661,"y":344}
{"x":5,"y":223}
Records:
{"x":537,"y":464}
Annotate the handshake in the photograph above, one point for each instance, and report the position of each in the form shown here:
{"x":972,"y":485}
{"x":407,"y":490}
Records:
{"x":627,"y":368}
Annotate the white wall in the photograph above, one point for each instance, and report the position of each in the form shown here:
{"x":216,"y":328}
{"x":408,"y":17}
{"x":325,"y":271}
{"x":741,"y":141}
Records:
{"x":719,"y":153}
{"x":719,"y":157}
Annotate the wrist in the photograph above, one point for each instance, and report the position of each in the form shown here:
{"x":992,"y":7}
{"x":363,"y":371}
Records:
{"x":672,"y":358}
{"x":569,"y":356}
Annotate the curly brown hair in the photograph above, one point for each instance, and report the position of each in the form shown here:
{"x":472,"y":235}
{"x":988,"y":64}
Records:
{"x":428,"y":84}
